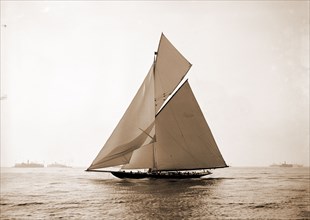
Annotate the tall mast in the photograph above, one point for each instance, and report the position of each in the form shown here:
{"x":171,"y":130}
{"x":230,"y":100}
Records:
{"x":153,"y":145}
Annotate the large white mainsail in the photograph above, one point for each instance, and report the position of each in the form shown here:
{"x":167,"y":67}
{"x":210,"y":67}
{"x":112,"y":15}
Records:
{"x":159,"y":134}
{"x":184,"y":139}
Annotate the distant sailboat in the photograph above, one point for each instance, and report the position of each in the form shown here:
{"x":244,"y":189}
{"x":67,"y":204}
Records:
{"x":282,"y":165}
{"x":163,"y":132}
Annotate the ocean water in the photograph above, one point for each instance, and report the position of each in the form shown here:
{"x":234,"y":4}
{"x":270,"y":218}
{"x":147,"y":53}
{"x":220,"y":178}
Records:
{"x":230,"y":193}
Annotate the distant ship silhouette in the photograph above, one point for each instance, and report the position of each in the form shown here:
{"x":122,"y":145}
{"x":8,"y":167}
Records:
{"x":286,"y":165}
{"x":29,"y":165}
{"x":57,"y":165}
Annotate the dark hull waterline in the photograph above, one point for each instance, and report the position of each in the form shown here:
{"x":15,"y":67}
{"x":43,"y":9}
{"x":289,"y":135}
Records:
{"x":172,"y":175}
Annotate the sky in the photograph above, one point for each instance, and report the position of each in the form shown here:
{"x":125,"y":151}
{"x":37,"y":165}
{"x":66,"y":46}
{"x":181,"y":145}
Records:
{"x":69,"y":70}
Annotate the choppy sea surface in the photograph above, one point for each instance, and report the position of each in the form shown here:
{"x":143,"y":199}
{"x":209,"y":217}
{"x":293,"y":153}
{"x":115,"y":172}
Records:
{"x":230,"y":193}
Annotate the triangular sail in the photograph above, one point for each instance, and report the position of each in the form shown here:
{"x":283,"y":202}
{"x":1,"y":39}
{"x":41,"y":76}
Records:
{"x":170,"y":68}
{"x":184,"y":139}
{"x":133,"y":129}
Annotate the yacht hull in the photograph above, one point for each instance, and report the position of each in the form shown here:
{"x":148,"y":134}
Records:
{"x":166,"y":175}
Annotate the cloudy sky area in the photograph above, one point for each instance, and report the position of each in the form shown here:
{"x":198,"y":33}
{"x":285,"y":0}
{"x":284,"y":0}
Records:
{"x":70,"y":69}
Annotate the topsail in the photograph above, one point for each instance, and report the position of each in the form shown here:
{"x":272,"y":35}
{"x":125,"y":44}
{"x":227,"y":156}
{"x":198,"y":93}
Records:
{"x":170,"y":69}
{"x":162,"y":129}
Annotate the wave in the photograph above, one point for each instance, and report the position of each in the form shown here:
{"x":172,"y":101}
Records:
{"x":268,"y":205}
{"x":29,"y":203}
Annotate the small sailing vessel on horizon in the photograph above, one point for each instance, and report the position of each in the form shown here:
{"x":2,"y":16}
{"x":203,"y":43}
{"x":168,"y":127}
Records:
{"x":163,"y":133}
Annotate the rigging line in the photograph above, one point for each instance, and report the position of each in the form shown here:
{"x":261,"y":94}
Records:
{"x":147,"y":134}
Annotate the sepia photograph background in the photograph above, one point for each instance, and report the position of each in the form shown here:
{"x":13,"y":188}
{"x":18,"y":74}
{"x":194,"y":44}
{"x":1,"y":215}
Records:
{"x":69,"y":70}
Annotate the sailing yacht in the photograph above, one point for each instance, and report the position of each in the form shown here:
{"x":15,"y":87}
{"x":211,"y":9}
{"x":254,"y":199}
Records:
{"x":163,"y":133}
